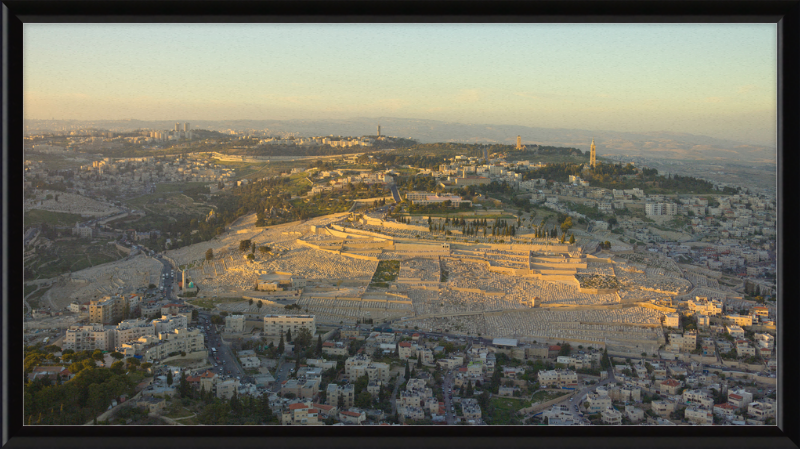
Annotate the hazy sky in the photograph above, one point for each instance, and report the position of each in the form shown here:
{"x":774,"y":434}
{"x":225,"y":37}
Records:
{"x":712,"y":79}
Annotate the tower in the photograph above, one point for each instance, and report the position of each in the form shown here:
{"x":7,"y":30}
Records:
{"x":186,"y":127}
{"x":592,"y":155}
{"x":519,"y":142}
{"x":177,"y":127}
{"x":379,"y":130}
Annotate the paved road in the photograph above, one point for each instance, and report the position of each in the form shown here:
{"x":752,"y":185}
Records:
{"x":575,"y":403}
{"x":282,"y":372}
{"x":224,"y":353}
{"x":447,"y":386}
{"x":400,"y":379}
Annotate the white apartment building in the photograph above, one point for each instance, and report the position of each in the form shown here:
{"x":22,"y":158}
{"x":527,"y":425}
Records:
{"x":169,"y":323}
{"x":661,"y":209}
{"x":131,"y":330}
{"x":672,"y":319}
{"x":275,"y":325}
{"x":234,"y":323}
{"x":558,"y":378}
{"x":89,"y":338}
{"x":699,"y":415}
{"x":703,"y":305}
{"x":161,"y":346}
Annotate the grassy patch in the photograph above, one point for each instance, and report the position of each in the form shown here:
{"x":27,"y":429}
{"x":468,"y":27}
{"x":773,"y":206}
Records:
{"x":387,"y":271}
{"x":36,"y":216}
{"x":33,"y":300}
{"x":162,"y":188}
{"x":212,"y":302}
{"x":29,"y":288}
{"x":66,"y":256}
{"x":544,"y":396}
{"x":503,"y":411}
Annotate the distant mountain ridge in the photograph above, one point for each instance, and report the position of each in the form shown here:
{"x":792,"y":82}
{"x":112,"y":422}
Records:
{"x":661,"y":144}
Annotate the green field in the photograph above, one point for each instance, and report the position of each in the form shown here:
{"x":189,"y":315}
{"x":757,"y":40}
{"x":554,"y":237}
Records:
{"x":503,"y":411}
{"x":29,"y":288}
{"x":210,"y":303}
{"x":67,"y":256}
{"x":387,"y":271}
{"x":177,"y":187}
{"x":544,"y":396}
{"x":33,"y":300}
{"x":36,"y":216}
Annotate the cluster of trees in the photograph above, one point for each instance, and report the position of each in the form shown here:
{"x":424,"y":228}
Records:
{"x":89,"y":393}
{"x":246,"y":410}
{"x":445,"y":207}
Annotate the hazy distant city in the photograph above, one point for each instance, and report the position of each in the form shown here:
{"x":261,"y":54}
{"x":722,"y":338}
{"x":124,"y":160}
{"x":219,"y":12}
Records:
{"x":397,"y":271}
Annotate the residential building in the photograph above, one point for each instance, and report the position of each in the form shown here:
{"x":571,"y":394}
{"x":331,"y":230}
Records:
{"x":611,"y":416}
{"x":698,"y":415}
{"x":558,"y":378}
{"x":275,"y":325}
{"x":89,"y":338}
{"x":234,"y":323}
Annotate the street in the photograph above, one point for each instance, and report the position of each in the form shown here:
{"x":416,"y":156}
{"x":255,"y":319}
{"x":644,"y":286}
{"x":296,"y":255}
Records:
{"x":225,"y":360}
{"x":447,"y":386}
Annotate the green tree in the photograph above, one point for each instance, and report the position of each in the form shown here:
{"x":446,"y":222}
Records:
{"x":303,"y":338}
{"x":98,"y":355}
{"x":319,"y":344}
{"x":281,"y":346}
{"x":244,"y":245}
{"x":363,"y":400}
{"x":566,"y":224}
{"x":210,"y":254}
{"x":169,"y":377}
{"x":289,"y":335}
{"x":117,"y":355}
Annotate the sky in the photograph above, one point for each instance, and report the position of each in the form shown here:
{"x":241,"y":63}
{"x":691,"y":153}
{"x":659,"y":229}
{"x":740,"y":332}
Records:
{"x":718,"y":80}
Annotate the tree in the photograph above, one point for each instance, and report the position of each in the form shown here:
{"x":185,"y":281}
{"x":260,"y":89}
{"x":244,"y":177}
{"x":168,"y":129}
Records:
{"x":281,"y":346}
{"x":319,"y":344}
{"x":117,"y":355}
{"x":118,"y":366}
{"x":264,"y":249}
{"x":210,"y":254}
{"x":260,"y":304}
{"x":572,"y":239}
{"x":289,"y":335}
{"x":408,"y":371}
{"x":250,"y":302}
{"x":244,"y":245}
{"x":169,"y":377}
{"x":97,"y":355}
{"x":363,"y":400}
{"x":612,"y":222}
{"x":303,"y":338}
{"x":469,"y":391}
{"x":566,"y":224}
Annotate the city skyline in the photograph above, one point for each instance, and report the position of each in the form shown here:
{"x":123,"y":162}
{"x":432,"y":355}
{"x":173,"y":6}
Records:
{"x":708,"y":79}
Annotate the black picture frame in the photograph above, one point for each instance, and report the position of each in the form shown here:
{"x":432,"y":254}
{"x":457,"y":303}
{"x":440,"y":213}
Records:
{"x":15,"y":13}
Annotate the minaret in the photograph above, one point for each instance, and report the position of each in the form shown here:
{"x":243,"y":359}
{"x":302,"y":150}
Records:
{"x":592,"y":155}
{"x":519,"y":142}
{"x":379,"y":130}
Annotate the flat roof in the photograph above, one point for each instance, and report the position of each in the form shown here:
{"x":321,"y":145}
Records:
{"x":504,"y":342}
